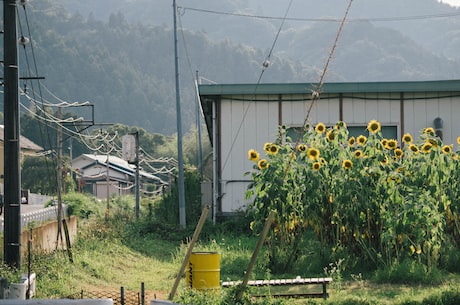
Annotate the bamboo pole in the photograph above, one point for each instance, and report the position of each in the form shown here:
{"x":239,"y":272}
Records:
{"x":259,"y":245}
{"x":189,"y":251}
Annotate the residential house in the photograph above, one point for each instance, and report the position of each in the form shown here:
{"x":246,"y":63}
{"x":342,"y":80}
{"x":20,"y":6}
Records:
{"x":92,"y":176}
{"x":240,"y":117}
{"x":27,"y":148}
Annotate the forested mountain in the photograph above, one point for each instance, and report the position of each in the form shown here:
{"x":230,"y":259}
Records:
{"x":118,"y":54}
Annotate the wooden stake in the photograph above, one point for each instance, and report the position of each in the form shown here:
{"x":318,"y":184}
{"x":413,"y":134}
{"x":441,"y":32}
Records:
{"x":189,"y":250}
{"x":259,"y":245}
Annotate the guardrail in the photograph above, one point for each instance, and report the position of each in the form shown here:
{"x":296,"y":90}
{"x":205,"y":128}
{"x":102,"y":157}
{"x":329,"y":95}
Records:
{"x":38,"y":217}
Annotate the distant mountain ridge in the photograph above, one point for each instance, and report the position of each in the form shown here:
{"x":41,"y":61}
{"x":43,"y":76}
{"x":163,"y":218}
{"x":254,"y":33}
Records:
{"x":118,"y":54}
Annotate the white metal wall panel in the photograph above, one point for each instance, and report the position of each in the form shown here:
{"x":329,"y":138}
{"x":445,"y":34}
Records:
{"x":247,"y":124}
{"x":244,"y":125}
{"x":325,"y":111}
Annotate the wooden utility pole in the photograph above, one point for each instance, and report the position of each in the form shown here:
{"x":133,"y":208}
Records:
{"x":12,"y":177}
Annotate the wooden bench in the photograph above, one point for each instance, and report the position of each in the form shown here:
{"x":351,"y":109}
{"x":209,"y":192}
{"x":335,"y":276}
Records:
{"x":324,"y":281}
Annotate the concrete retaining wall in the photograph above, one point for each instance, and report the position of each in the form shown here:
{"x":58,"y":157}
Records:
{"x":44,"y":238}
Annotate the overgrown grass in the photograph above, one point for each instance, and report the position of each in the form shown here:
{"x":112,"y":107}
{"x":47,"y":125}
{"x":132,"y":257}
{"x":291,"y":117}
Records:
{"x":120,"y":250}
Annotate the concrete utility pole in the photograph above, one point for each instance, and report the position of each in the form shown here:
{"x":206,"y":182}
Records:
{"x":182,"y":218}
{"x":12,"y":177}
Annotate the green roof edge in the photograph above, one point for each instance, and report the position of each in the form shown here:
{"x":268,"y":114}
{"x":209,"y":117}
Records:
{"x":344,"y":87}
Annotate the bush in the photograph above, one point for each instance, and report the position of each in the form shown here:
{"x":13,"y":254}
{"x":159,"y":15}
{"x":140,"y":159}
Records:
{"x":82,"y":206}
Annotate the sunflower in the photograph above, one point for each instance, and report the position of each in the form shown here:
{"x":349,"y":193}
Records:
{"x":398,"y":153}
{"x":340,"y":125}
{"x":351,"y":141}
{"x":302,"y":147}
{"x":447,"y":149}
{"x":273,"y":149}
{"x":384,"y":143}
{"x":316,"y":166}
{"x":373,"y":126}
{"x":429,"y":131}
{"x":313,"y":153}
{"x":358,"y":153}
{"x":413,"y":148}
{"x":426,"y":147}
{"x":322,"y":161}
{"x":407,"y":138}
{"x":433,"y":142}
{"x":262,"y":164}
{"x":392,"y":144}
{"x":253,"y":155}
{"x":347,"y":164}
{"x":361,"y":140}
{"x":458,"y":140}
{"x":320,"y":128}
{"x":384,"y":161}
{"x":267,"y":146}
{"x":330,"y":135}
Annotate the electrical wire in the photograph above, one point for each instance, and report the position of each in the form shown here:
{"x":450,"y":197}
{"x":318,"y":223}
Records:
{"x":336,"y":20}
{"x":265,"y":65}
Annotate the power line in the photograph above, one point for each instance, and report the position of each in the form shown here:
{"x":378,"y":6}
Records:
{"x":325,"y":19}
{"x":265,"y":65}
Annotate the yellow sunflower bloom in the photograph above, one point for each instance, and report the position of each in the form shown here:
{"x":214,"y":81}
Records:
{"x":267,"y":146}
{"x":340,"y":125}
{"x":447,"y":149}
{"x":361,"y":140}
{"x":392,"y":144}
{"x":313,"y":153}
{"x":373,"y":126}
{"x":273,"y":149}
{"x":316,"y":166}
{"x":320,"y":128}
{"x":407,"y":138}
{"x":384,"y":161}
{"x":347,"y":164}
{"x":384,"y":143}
{"x":262,"y":164}
{"x":302,"y":147}
{"x":330,"y":135}
{"x":398,"y":153}
{"x":426,"y":147}
{"x":358,"y":153}
{"x":253,"y":155}
{"x":458,"y":140}
{"x":429,"y":131}
{"x":413,"y":148}
{"x":351,"y":141}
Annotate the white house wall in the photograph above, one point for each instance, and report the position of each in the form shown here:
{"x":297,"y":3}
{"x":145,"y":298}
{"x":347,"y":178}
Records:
{"x":248,"y":125}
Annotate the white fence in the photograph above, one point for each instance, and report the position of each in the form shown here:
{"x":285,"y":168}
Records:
{"x":38,"y":217}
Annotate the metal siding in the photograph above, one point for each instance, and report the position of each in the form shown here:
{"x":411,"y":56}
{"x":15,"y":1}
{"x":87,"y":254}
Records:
{"x":246,"y":125}
{"x":455,"y":122}
{"x":261,"y":122}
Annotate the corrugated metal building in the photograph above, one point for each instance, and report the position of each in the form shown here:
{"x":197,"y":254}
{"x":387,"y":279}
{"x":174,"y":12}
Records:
{"x":244,"y":116}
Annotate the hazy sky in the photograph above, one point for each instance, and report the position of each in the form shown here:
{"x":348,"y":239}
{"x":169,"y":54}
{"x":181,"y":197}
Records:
{"x":451,"y":2}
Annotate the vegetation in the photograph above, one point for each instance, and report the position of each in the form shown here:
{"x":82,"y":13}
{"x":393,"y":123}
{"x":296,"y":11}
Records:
{"x":122,"y":251}
{"x":367,"y":200}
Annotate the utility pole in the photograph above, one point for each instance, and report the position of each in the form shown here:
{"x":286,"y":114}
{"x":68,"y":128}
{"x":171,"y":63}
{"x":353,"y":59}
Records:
{"x":198,"y":126}
{"x":182,"y":218}
{"x":137,"y":177}
{"x":59,"y":176}
{"x":12,"y":177}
